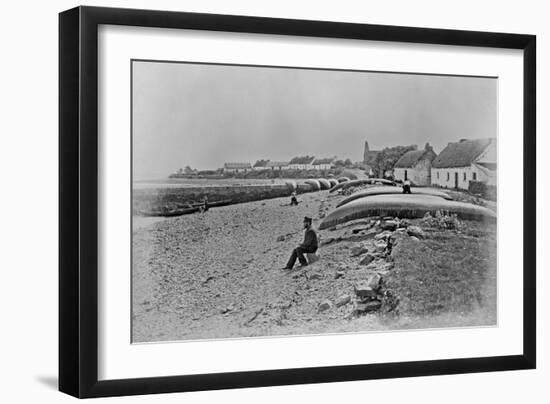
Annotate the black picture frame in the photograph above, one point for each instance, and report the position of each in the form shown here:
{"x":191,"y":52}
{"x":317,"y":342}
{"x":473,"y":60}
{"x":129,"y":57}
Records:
{"x":78,"y":201}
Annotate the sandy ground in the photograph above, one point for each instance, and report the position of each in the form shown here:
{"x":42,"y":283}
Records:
{"x":218,"y":275}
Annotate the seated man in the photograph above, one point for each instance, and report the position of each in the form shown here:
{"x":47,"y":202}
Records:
{"x":308,"y":246}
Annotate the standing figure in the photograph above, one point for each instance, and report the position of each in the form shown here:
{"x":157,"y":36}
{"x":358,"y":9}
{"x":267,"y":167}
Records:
{"x":205,"y":206}
{"x":406,"y":187}
{"x":293,"y":199}
{"x":308,"y":246}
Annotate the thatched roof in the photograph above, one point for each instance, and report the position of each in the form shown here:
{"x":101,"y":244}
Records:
{"x":302,"y":160}
{"x":234,"y":166}
{"x":260,"y":163}
{"x":461,"y":154}
{"x":271,"y":164}
{"x":411,"y":158}
{"x":323,"y":161}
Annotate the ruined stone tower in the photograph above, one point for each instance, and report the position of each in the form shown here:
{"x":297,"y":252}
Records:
{"x":366,"y":153}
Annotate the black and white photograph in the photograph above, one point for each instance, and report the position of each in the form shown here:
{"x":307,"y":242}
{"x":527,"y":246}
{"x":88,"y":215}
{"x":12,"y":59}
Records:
{"x":279,"y":201}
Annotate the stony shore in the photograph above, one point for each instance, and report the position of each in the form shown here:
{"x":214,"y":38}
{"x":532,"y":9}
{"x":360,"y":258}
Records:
{"x":218,"y":274}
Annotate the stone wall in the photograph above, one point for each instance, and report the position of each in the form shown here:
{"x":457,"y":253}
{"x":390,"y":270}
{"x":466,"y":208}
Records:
{"x":172,"y":198}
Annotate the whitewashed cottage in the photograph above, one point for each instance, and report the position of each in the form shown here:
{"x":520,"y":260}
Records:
{"x":301,"y":163}
{"x":415,"y":166}
{"x":237,"y":167}
{"x":277,"y":165}
{"x":323,"y":164}
{"x":465,"y":161}
{"x":260,"y":165}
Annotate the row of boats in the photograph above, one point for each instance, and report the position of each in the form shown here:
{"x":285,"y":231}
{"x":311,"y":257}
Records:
{"x":391,"y":201}
{"x":195,"y":207}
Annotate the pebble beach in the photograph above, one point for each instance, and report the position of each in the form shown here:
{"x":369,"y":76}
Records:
{"x":219,"y":275}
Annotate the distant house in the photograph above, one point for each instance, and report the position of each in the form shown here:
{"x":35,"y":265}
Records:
{"x":415,"y":166}
{"x":323,"y":164}
{"x":301,"y":163}
{"x":465,"y":161}
{"x":236,"y":167}
{"x":260,"y":165}
{"x":277,"y":165}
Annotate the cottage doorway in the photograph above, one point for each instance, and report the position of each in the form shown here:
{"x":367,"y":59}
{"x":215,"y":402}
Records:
{"x":406,"y":173}
{"x":456,"y":180}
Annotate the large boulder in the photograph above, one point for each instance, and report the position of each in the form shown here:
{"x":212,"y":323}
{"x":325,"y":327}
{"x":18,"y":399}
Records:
{"x":358,"y":250}
{"x":374,"y":281}
{"x":363,"y":290}
{"x":367,"y":259}
{"x":368,"y":307}
{"x":343,"y":300}
{"x":389,"y":225}
{"x":416,"y":232}
{"x":325,"y":305}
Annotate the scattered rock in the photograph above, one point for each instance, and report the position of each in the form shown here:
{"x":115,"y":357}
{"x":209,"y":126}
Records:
{"x":226,"y":310}
{"x":281,"y":238}
{"x":416,"y":232}
{"x":284,"y":305}
{"x":376,"y":266}
{"x":385,"y":267}
{"x":370,"y":233}
{"x":380,"y":247}
{"x":325,"y":305}
{"x":367,"y":259}
{"x":368,"y":307}
{"x":207,"y":279}
{"x":253,"y":316}
{"x":389,"y":225}
{"x":330,"y":240}
{"x":363,"y":290}
{"x":343,"y":300}
{"x":414,"y":238}
{"x":359,"y":230}
{"x":315,"y":276}
{"x":339,"y":274}
{"x":374,"y":281}
{"x":358,"y":250}
{"x":404,"y":223}
{"x":382,"y":236}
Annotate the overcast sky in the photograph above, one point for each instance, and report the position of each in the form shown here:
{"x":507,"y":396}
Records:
{"x":205,"y":115}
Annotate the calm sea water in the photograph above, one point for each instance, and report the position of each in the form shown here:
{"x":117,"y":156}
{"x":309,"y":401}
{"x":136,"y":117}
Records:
{"x":184,"y":182}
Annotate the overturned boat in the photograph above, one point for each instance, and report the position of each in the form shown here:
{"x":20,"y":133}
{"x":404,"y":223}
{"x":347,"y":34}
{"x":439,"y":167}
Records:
{"x":315,"y":185}
{"x":404,"y":206}
{"x":393,"y":190}
{"x":364,"y":181}
{"x":325,"y":184}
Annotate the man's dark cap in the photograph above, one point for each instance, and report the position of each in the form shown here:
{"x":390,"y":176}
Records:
{"x":308,"y":219}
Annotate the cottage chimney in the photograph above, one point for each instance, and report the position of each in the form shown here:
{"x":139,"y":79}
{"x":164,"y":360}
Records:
{"x":428,"y":147}
{"x":462,"y":140}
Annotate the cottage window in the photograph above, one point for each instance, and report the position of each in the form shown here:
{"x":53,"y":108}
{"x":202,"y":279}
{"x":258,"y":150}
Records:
{"x":438,"y":175}
{"x":448,"y":176}
{"x":474,"y":176}
{"x":464,"y":176}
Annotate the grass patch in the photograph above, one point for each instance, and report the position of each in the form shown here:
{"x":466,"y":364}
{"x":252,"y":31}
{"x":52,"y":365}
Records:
{"x":449,"y":271}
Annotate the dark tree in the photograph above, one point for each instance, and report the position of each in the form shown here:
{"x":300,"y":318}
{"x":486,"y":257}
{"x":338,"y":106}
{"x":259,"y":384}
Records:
{"x":386,"y":159}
